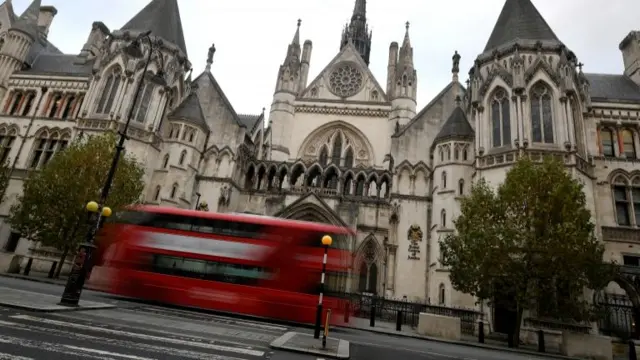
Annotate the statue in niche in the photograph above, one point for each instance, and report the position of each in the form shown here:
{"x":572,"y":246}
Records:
{"x":383,"y":191}
{"x":285,"y":182}
{"x":276,"y":182}
{"x":373,"y":189}
{"x":352,"y":191}
{"x":314,"y":182}
{"x":299,"y":181}
{"x":414,"y":235}
{"x":347,"y":187}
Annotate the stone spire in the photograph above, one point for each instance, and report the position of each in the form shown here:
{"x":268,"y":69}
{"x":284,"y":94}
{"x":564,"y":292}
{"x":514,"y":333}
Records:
{"x":28,"y":21}
{"x":357,"y":31}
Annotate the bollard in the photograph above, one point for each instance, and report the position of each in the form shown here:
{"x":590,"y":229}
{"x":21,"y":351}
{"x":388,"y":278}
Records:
{"x":27,"y":269}
{"x":632,"y":350}
{"x":325,"y":333}
{"x":540,"y":341}
{"x":481,"y":332}
{"x":372,"y":319}
{"x":399,"y":321}
{"x":347,"y":308}
{"x":52,"y":271}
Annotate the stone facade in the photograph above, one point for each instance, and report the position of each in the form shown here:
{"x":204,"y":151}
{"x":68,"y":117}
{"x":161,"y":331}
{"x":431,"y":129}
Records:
{"x":341,"y":148}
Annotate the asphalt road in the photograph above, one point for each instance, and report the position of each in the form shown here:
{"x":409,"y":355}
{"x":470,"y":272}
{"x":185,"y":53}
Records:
{"x":137,"y":331}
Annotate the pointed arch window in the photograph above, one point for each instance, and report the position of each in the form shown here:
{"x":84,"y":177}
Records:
{"x":441,"y":295}
{"x":109,"y":91}
{"x":324,"y":156}
{"x":28,"y":104}
{"x":47,"y":145}
{"x":165,"y":161}
{"x":628,"y":145}
{"x":174,"y":191}
{"x":444,"y":179}
{"x":500,"y":119}
{"x":626,"y":196}
{"x":142,"y":104}
{"x":606,"y":142}
{"x":7,"y":139}
{"x":443,"y":218}
{"x":156,"y":195}
{"x":541,"y":114}
{"x":461,"y":187}
{"x":69,"y":107}
{"x":369,"y":269}
{"x":16,"y":102}
{"x":56,"y":105}
{"x":183,"y":155}
{"x":337,"y":149}
{"x":348,"y":158}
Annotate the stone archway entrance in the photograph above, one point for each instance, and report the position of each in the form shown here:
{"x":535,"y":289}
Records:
{"x":620,"y":313}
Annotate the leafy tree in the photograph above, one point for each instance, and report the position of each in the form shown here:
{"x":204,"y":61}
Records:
{"x":51,"y":209}
{"x":530,"y":245}
{"x":5,"y":175}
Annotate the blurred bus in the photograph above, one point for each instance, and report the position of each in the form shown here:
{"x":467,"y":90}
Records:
{"x":240,"y":263}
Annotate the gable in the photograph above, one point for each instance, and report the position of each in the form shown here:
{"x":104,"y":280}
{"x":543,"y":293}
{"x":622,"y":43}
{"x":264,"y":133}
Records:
{"x":345,"y":78}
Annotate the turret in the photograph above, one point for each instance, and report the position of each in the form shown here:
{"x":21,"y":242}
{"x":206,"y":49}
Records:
{"x":357,"y":31}
{"x":630,"y":47}
{"x":402,"y":82}
{"x":291,"y":77}
{"x":97,"y":36}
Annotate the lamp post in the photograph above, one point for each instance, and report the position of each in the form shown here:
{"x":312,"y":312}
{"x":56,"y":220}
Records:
{"x":197,"y":200}
{"x":75,"y":282}
{"x":326,"y":242}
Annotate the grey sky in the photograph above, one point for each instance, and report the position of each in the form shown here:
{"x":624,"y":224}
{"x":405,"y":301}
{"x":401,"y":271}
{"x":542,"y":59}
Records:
{"x":251,"y":36}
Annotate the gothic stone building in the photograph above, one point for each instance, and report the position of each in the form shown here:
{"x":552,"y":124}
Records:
{"x":344,"y":147}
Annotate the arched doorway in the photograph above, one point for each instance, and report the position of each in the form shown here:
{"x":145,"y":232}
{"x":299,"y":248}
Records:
{"x":368,"y":270}
{"x":619,"y":310}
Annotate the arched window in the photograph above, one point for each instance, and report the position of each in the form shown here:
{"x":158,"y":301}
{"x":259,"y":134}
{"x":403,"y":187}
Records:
{"x":174,"y":191}
{"x":606,"y":142}
{"x":444,"y":180}
{"x":16,"y":101}
{"x":461,"y":187}
{"x":47,"y":145}
{"x":348,"y":158}
{"x":324,"y":156}
{"x":626,"y":196}
{"x":165,"y":161}
{"x":156,"y":195}
{"x":68,"y":107}
{"x":443,"y":218}
{"x":441,"y":295}
{"x":465,"y":154}
{"x":368,"y":269}
{"x":28,"y":104}
{"x":7,"y":139}
{"x":109,"y":91}
{"x":500,"y":119}
{"x":541,"y":114}
{"x":56,"y":103}
{"x":456,"y":154}
{"x":337,"y":149}
{"x":628,"y":144}
{"x":183,"y":154}
{"x":142,"y":104}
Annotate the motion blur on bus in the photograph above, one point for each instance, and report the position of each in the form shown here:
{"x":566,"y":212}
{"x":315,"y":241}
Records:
{"x":240,"y":263}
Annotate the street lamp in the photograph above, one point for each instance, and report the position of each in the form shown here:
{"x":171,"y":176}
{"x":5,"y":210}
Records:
{"x":197,"y":200}
{"x":326,"y":242}
{"x":77,"y":277}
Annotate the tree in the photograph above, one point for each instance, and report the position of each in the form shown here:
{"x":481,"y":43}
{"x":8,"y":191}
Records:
{"x":530,"y":245}
{"x":5,"y":178}
{"x":51,"y":209}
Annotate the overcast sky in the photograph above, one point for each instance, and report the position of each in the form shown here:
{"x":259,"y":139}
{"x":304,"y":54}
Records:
{"x":251,"y":36}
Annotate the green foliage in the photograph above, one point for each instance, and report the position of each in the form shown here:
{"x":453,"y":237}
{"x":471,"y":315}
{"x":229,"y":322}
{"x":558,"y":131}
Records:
{"x":5,"y":174}
{"x":531,"y":242}
{"x":51,"y":209}
{"x":203,"y":206}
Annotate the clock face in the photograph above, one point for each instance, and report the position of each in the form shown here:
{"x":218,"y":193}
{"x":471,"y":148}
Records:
{"x":345,"y":80}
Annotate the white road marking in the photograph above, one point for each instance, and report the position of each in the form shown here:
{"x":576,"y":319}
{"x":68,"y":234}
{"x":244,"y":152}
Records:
{"x":44,"y":346}
{"x":106,"y":353}
{"x":142,"y":336}
{"x":232,"y":321}
{"x":180,"y":353}
{"x":5,"y":356}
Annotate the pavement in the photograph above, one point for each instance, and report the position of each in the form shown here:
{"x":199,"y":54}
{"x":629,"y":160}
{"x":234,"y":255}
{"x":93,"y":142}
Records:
{"x":143,"y":332}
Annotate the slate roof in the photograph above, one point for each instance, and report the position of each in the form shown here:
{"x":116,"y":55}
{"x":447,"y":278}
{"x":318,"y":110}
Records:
{"x":249,"y":120}
{"x":61,"y":64}
{"x":521,"y":20}
{"x":28,"y":21}
{"x":162,"y":17}
{"x":613,"y":88}
{"x":190,"y":111}
{"x":456,"y":127}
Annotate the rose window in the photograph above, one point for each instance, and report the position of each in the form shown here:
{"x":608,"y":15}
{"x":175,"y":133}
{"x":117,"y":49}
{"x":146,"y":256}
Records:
{"x":345,"y":80}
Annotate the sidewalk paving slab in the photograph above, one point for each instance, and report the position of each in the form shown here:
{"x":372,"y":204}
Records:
{"x":306,"y":344}
{"x":37,"y":302}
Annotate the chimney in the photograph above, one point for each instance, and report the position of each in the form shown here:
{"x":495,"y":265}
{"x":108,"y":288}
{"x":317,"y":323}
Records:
{"x":630,"y":47}
{"x":47,"y":13}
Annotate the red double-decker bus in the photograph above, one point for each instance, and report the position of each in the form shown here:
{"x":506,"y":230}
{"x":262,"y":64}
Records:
{"x":248,"y":264}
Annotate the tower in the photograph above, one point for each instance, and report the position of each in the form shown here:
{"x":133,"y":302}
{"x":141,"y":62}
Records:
{"x":357,"y":31}
{"x":20,"y":37}
{"x":401,"y":83}
{"x":292,"y":78}
{"x":630,"y":47}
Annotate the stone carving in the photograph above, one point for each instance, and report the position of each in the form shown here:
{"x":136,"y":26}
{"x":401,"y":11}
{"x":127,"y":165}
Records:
{"x":373,"y":189}
{"x":299,"y":181}
{"x":285,"y":182}
{"x":345,"y":80}
{"x":414,"y":235}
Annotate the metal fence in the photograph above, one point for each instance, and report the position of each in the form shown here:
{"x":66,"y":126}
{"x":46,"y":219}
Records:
{"x":616,"y":316}
{"x":386,"y":309}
